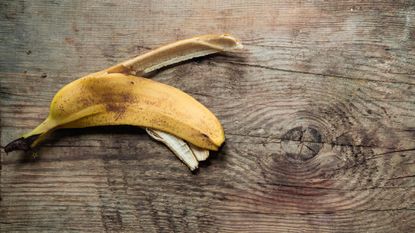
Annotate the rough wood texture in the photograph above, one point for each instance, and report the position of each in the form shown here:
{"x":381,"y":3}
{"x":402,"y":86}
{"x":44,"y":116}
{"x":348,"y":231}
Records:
{"x":319,"y":114}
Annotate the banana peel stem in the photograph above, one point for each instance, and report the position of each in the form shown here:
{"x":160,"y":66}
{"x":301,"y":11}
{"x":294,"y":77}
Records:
{"x":31,"y":139}
{"x":21,"y":144}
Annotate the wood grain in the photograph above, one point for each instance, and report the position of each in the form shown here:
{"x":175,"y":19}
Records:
{"x":318,"y":110}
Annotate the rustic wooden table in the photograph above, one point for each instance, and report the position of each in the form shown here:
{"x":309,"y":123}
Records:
{"x":318,"y":110}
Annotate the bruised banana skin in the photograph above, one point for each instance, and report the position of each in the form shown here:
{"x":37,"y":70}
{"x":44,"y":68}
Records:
{"x":119,"y":99}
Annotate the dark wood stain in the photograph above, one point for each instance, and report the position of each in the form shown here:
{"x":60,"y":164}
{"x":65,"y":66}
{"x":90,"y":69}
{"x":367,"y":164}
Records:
{"x":318,"y":111}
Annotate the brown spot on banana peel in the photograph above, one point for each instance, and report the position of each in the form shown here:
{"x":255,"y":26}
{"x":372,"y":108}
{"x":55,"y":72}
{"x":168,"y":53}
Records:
{"x":118,"y":103}
{"x":114,"y":102}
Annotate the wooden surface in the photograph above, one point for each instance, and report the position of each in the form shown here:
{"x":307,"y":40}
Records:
{"x":318,"y":110}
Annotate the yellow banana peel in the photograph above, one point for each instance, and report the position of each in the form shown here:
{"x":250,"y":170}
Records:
{"x":115,"y":96}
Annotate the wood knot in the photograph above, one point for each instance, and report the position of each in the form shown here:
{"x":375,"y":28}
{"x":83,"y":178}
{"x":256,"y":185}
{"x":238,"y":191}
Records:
{"x":301,"y":143}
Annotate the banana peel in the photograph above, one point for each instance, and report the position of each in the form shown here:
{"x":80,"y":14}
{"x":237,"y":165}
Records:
{"x":176,"y":52}
{"x":119,"y":99}
{"x":118,"y":96}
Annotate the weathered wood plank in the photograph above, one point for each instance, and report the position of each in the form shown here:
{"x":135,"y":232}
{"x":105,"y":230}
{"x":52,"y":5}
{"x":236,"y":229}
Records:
{"x":319,"y":114}
{"x":344,"y":39}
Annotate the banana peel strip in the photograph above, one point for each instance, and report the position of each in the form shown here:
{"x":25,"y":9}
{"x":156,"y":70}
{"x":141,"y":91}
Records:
{"x":176,"y":52}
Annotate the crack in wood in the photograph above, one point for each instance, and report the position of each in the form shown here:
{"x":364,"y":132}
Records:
{"x":311,"y":73}
{"x":323,"y":143}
